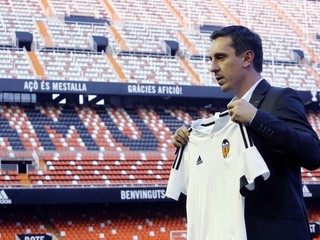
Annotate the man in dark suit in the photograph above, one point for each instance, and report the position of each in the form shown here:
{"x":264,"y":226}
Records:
{"x":279,"y":128}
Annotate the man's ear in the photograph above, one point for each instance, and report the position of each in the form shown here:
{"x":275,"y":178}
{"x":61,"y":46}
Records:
{"x":248,"y":57}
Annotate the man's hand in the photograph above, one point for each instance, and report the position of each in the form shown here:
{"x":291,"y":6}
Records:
{"x":241,"y":111}
{"x":181,"y":137}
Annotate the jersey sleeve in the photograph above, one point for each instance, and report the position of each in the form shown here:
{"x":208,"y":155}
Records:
{"x":255,"y":170}
{"x":178,"y":179}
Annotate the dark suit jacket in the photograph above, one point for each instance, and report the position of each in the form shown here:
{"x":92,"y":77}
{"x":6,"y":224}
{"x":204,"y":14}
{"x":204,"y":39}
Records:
{"x":287,"y":142}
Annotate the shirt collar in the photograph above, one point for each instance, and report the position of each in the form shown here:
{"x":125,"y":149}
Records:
{"x":248,"y":94}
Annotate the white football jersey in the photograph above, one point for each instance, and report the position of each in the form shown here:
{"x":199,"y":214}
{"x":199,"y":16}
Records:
{"x":218,"y":162}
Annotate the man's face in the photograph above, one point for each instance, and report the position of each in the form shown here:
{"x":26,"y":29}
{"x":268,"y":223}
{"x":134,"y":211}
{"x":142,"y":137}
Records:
{"x":227,"y":67}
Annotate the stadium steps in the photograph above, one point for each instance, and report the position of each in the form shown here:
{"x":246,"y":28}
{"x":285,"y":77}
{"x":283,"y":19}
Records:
{"x":294,"y":27}
{"x":48,"y":42}
{"x":227,"y":13}
{"x":119,"y":40}
{"x":285,"y":17}
{"x":51,"y":230}
{"x":314,"y":56}
{"x":117,"y":68}
{"x":25,"y":181}
{"x":196,"y":79}
{"x":188,"y":43}
{"x":42,"y":164}
{"x":114,"y":16}
{"x":46,"y":7}
{"x":175,"y":12}
{"x":36,"y":65}
{"x":49,"y":226}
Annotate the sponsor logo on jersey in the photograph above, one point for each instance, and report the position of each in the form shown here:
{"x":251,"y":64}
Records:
{"x":225,"y":148}
{"x":199,"y":161}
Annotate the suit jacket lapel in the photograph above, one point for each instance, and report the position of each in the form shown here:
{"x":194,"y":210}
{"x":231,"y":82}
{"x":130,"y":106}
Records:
{"x":259,"y":93}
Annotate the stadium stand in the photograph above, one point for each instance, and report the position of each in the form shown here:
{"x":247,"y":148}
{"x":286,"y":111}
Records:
{"x":102,"y":145}
{"x":111,"y":221}
{"x":124,"y":146}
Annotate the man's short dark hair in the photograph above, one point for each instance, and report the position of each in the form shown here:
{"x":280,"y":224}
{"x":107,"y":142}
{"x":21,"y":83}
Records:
{"x":243,"y":39}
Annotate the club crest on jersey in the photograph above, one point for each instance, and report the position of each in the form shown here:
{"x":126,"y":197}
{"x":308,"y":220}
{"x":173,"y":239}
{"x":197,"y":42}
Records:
{"x":225,"y":148}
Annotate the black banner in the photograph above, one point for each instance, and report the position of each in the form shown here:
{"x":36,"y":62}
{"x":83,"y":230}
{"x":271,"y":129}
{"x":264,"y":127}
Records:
{"x":33,"y":237}
{"x":72,"y":194}
{"x":311,"y":190}
{"x":82,"y":195}
{"x":84,"y":87}
{"x":314,"y":229}
{"x":111,"y":88}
